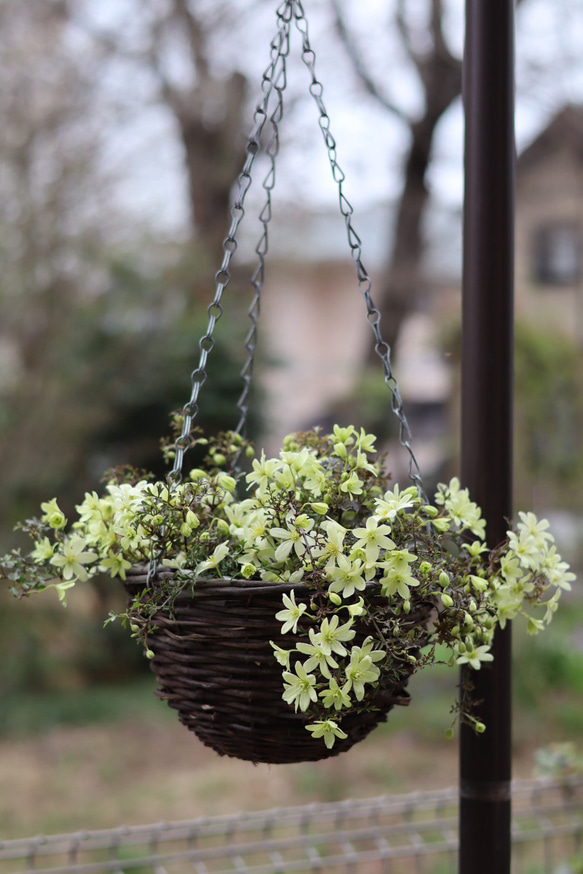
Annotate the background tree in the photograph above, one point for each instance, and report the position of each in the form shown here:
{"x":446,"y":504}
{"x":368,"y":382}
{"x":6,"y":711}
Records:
{"x":175,"y":45}
{"x":53,"y":194}
{"x":98,"y":325}
{"x":436,"y":68}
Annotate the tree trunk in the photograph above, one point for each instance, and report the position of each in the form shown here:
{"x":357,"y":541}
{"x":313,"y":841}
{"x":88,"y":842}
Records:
{"x":214,"y":154}
{"x":400,"y":288}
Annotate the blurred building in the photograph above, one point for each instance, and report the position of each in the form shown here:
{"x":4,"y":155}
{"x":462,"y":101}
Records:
{"x":549,"y":226}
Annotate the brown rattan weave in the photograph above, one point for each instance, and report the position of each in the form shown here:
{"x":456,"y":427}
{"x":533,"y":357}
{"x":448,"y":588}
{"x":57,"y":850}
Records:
{"x":215,"y":666}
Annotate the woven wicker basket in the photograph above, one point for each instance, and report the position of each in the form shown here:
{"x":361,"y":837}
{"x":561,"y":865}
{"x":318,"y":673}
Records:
{"x":215,"y":666}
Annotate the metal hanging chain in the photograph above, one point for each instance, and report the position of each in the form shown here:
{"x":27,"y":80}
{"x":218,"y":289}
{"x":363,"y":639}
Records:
{"x":373,"y":316}
{"x":279,"y":82}
{"x":273,"y":79}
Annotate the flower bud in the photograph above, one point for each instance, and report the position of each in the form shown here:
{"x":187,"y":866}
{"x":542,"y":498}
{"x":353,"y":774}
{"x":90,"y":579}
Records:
{"x":149,"y":653}
{"x":226,"y":482}
{"x":443,"y":579}
{"x":479,"y":584}
{"x":335,"y":598}
{"x":192,"y":519}
{"x":446,"y":600}
{"x":320,"y":508}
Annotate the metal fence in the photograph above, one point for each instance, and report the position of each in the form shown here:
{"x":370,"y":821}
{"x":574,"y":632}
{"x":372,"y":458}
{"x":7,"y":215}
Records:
{"x":398,"y":835}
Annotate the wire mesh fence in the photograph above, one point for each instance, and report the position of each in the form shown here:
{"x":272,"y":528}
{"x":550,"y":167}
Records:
{"x":399,"y":835}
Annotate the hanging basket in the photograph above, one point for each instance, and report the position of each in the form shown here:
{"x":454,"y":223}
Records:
{"x":212,"y":654}
{"x":215,"y":665}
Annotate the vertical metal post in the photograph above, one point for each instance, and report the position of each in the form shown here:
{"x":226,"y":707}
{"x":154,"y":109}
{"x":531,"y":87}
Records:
{"x":487,"y":353}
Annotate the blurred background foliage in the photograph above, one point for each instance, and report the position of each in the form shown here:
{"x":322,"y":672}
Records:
{"x":548,"y":418}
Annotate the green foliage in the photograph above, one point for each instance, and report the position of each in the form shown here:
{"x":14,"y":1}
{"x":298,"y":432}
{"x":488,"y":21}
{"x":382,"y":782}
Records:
{"x":548,"y":416}
{"x":321,"y":515}
{"x":107,"y":375}
{"x":548,"y":679}
{"x":48,"y":650}
{"x":26,"y":714}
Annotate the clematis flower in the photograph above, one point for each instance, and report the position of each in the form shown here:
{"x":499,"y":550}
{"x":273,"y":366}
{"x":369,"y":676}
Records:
{"x":53,"y":515}
{"x":372,"y":539}
{"x":282,"y":656}
{"x":464,"y":513}
{"x":291,"y":537}
{"x":263,"y":472}
{"x":72,"y":557}
{"x":352,"y":485}
{"x":365,"y":442}
{"x":347,"y":577}
{"x":361,"y":669}
{"x":318,"y":657}
{"x":43,"y":551}
{"x":396,"y":501}
{"x":336,"y":696}
{"x":115,"y":564}
{"x":333,"y":545}
{"x":397,"y":577}
{"x":556,"y":570}
{"x":292,"y":613}
{"x":299,"y":687}
{"x":474,"y":656}
{"x":328,"y":729}
{"x":331,"y":637}
{"x":219,"y":553}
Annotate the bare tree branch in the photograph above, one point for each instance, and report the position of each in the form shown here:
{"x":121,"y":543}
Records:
{"x":360,"y":67}
{"x":440,"y":78}
{"x":196,"y":37}
{"x":439,"y":44}
{"x":403,"y":28}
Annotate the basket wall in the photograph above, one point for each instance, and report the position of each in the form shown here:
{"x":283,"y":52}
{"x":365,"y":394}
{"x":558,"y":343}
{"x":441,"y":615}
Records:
{"x":215,"y":666}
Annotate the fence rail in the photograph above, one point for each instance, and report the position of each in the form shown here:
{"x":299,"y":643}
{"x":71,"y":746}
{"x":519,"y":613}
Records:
{"x":395,"y":834}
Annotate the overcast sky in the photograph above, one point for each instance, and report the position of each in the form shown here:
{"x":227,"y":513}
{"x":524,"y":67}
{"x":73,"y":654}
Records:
{"x":370,"y":141}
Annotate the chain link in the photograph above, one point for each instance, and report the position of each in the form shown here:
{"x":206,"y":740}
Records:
{"x":274,"y":79}
{"x":274,"y":82}
{"x":278,"y":82}
{"x":373,"y":315}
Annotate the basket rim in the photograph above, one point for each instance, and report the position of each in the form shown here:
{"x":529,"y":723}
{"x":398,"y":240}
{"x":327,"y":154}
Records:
{"x":137,"y":576}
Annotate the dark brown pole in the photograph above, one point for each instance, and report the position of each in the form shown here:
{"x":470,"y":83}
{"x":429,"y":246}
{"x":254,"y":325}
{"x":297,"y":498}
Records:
{"x":487,"y":354}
